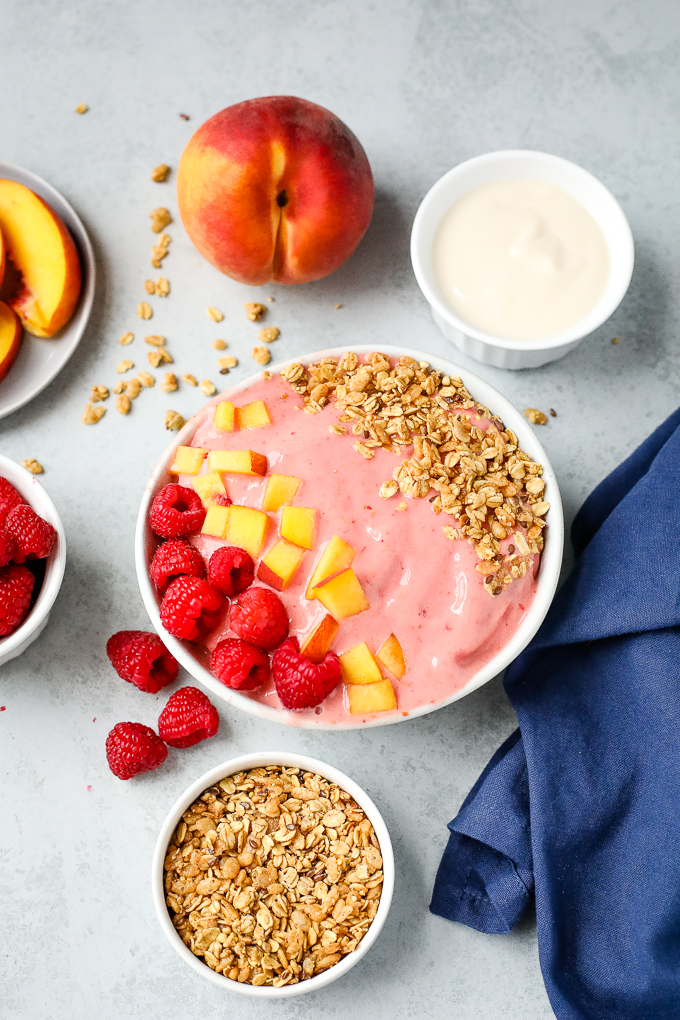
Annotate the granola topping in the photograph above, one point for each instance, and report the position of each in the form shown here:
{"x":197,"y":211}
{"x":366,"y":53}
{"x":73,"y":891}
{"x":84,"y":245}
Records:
{"x":261,"y":355}
{"x":33,"y":465}
{"x":160,"y":218}
{"x":255,"y":310}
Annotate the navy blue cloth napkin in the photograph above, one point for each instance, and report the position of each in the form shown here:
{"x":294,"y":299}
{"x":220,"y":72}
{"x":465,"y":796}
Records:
{"x":580,"y":808}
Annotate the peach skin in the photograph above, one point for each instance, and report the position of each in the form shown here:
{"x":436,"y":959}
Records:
{"x":10,"y":338}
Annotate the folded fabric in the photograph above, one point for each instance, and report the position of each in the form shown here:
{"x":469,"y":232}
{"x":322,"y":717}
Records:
{"x":580,"y":808}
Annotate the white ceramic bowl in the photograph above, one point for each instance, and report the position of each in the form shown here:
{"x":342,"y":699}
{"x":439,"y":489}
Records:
{"x":551,"y":560}
{"x":512,"y":164}
{"x":40,"y":360}
{"x":36,"y":621}
{"x":259,"y":760}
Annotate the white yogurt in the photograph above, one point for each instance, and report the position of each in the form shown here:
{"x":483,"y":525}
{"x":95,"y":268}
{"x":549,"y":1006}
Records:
{"x":520,"y":259}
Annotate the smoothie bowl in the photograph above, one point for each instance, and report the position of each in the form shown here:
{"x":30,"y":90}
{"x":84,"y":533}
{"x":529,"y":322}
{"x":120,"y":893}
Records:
{"x":386,"y":525}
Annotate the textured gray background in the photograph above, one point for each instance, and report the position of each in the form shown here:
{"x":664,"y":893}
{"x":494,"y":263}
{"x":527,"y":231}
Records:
{"x":424,"y":85}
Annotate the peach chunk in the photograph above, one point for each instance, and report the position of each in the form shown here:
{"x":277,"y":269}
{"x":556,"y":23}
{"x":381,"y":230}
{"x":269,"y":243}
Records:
{"x":237,"y":462}
{"x":342,"y":595}
{"x":46,"y":286}
{"x":246,"y":528}
{"x":252,"y":415}
{"x":187,"y":460}
{"x":280,"y":489}
{"x":297,"y":525}
{"x":216,"y":521}
{"x":364,"y":699}
{"x":317,"y":645}
{"x":392,"y":657}
{"x":279,"y":565}
{"x":359,"y":666}
{"x":224,"y":416}
{"x":10,"y":338}
{"x":3,"y":258}
{"x":336,"y":556}
{"x":209,"y":485}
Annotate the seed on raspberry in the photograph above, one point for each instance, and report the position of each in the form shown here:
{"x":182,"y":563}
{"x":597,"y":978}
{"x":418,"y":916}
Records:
{"x":33,"y":536}
{"x":9,"y":498}
{"x":176,"y":511}
{"x":188,"y":718}
{"x":16,"y":588}
{"x":176,"y":558}
{"x":142,"y":659}
{"x":259,"y":617}
{"x":132,"y":749}
{"x":300,"y":683}
{"x":239,"y":665}
{"x":191,"y":608}
{"x":7,"y":547}
{"x":231,"y":570}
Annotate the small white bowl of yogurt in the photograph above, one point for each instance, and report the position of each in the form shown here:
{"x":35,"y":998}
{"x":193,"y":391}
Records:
{"x":520,"y":255}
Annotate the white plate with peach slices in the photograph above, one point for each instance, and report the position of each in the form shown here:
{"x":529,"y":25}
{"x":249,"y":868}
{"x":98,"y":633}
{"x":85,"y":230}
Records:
{"x":47,"y":277}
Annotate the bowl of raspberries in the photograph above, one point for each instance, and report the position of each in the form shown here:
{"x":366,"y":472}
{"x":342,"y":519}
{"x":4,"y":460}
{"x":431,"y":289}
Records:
{"x":32,"y":558}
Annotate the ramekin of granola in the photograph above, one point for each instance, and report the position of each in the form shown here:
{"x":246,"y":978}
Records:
{"x":273,"y":874}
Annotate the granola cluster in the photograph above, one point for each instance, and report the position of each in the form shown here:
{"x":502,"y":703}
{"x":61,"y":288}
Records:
{"x":273,"y":875}
{"x":463,"y":452}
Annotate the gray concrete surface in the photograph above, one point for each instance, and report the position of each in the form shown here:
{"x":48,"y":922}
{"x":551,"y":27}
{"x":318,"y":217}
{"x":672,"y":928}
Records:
{"x":424,"y":84}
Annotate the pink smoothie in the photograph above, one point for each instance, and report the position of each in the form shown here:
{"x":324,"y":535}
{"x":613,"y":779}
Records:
{"x":420,"y":585}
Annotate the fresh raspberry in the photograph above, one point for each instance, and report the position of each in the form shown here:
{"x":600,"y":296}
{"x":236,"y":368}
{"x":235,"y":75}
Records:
{"x":7,"y":546}
{"x":191,"y":608}
{"x":259,"y":617}
{"x":132,"y":748}
{"x":176,"y":511}
{"x":142,"y":659}
{"x":239,"y":665}
{"x":300,"y":683}
{"x":9,"y":498}
{"x":16,"y":588}
{"x":231,"y":570}
{"x":173,"y":559}
{"x":220,"y":499}
{"x":188,"y":718}
{"x":33,"y":536}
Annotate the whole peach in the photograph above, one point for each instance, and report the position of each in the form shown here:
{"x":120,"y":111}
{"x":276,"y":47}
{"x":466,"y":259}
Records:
{"x":275,"y":188}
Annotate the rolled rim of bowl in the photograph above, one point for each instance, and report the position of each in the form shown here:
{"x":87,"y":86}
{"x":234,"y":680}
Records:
{"x":240,"y":764}
{"x":622,"y":256}
{"x":36,"y":495}
{"x":549,"y":569}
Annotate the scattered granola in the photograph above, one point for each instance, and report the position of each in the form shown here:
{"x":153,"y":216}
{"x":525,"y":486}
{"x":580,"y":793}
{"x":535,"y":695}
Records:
{"x":553,"y":412}
{"x":91,"y":414}
{"x":228,"y":361}
{"x":154,"y":340}
{"x":208,"y":388}
{"x":615,"y":340}
{"x":160,"y":173}
{"x":169,"y":384}
{"x":219,"y":345}
{"x":261,"y":355}
{"x":254,"y":310}
{"x":124,"y":366}
{"x":535,"y":417}
{"x":389,"y":489}
{"x":273,"y":875}
{"x":82,"y":108}
{"x":123,"y":404}
{"x":120,"y":387}
{"x":132,"y":388}
{"x":159,"y":357}
{"x":162,"y":287}
{"x":185,"y":116}
{"x":190,"y":379}
{"x":33,"y":465}
{"x":173,"y":421}
{"x":214,"y":313}
{"x":402,"y":505}
{"x":144,"y":310}
{"x":160,"y":218}
{"x":149,"y":286}
{"x":99,"y":393}
{"x":268,"y":334}
{"x":160,"y":250}
{"x":126,"y":339}
{"x":337,"y":306}
{"x":146,"y":379}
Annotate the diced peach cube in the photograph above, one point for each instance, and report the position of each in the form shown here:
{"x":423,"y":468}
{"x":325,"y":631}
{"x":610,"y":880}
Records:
{"x":187,"y":460}
{"x":318,"y":644}
{"x":364,"y":699}
{"x":224,"y":416}
{"x":342,"y":595}
{"x":337,"y":555}
{"x":392,"y":657}
{"x":280,"y":489}
{"x":246,"y":528}
{"x":237,"y":462}
{"x":297,"y":525}
{"x":216,"y":521}
{"x":359,"y":666}
{"x":209,"y":485}
{"x":279,"y":565}
{"x":251,"y":416}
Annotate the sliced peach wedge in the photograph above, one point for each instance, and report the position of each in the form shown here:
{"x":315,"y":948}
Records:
{"x":280,"y":489}
{"x":237,"y":462}
{"x":358,"y":666}
{"x":45,"y":287}
{"x":209,"y":485}
{"x":278,"y":567}
{"x":365,"y":699}
{"x":246,"y":528}
{"x":391,"y":656}
{"x":342,"y":595}
{"x":318,"y":643}
{"x":253,"y":415}
{"x":188,"y":460}
{"x":10,"y":338}
{"x":337,"y":555}
{"x":298,"y":525}
{"x":224,"y":416}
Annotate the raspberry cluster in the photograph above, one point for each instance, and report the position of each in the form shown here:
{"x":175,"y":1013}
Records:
{"x":24,"y":537}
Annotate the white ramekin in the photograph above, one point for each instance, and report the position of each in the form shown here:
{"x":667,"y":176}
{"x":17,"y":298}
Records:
{"x":36,"y":621}
{"x":259,"y":760}
{"x":512,"y":164}
{"x":548,"y":576}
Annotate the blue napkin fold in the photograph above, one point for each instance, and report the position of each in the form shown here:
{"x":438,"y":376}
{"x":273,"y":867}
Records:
{"x":580,"y":808}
